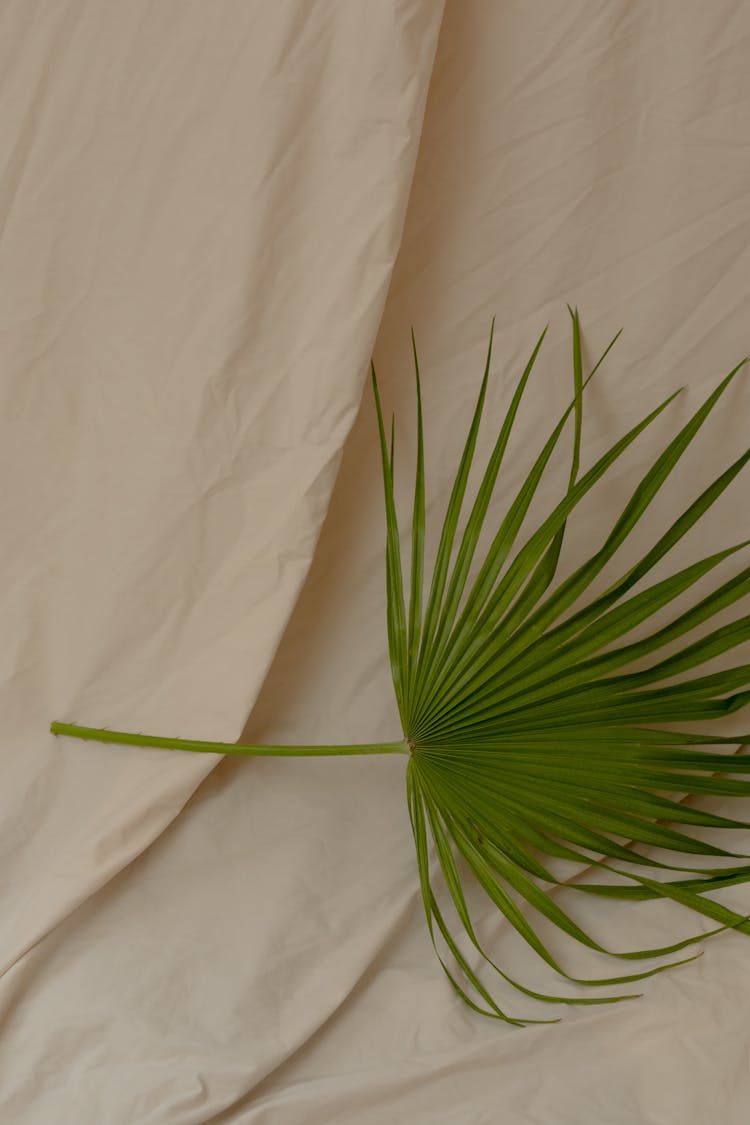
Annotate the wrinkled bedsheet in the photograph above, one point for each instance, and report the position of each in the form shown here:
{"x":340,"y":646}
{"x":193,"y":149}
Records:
{"x":210,"y":217}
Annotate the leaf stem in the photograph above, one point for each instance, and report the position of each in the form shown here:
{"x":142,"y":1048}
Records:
{"x":97,"y":734}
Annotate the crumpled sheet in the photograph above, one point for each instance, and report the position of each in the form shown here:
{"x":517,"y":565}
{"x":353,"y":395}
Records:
{"x":201,"y":211}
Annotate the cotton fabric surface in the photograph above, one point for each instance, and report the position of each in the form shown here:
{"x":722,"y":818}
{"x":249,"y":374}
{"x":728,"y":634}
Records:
{"x":212,"y":215}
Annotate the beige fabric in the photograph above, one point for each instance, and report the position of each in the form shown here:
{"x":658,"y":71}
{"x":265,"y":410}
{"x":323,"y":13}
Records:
{"x":203,"y":220}
{"x":201,"y":207}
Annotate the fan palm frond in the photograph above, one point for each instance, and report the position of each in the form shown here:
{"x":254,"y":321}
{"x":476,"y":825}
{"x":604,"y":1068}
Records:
{"x":529,"y":740}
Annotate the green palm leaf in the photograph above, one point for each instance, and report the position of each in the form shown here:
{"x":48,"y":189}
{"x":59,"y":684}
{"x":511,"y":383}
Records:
{"x":529,"y":742}
{"x":524,"y":744}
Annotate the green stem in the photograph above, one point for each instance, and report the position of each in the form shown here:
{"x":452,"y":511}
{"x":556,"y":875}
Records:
{"x":100,"y":735}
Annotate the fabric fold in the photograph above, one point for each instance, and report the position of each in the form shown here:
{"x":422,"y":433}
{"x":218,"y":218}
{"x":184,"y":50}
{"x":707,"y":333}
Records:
{"x":201,"y":219}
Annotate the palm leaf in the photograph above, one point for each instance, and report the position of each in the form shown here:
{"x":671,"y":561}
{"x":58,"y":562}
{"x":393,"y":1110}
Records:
{"x":523,"y":742}
{"x":530,"y":742}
